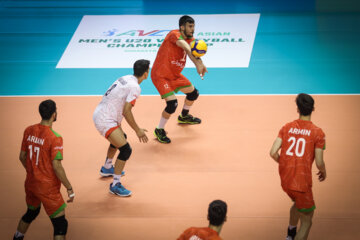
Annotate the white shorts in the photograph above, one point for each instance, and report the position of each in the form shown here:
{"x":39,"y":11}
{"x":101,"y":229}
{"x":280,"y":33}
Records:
{"x":104,"y":125}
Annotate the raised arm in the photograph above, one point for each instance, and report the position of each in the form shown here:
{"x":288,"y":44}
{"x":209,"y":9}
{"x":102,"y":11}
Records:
{"x":275,"y":149}
{"x":131,"y":121}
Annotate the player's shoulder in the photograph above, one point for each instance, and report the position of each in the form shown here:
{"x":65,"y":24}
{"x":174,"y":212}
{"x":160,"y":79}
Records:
{"x":54,"y":134}
{"x":316,"y":128}
{"x":289,"y":124}
{"x":31,"y":128}
{"x":175,"y":34}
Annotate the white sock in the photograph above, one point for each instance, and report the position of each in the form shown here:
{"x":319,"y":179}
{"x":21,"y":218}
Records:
{"x":18,"y":234}
{"x":116,"y":179}
{"x":162,"y":123}
{"x":108,"y":163}
{"x":291,"y":227}
{"x":186,"y":107}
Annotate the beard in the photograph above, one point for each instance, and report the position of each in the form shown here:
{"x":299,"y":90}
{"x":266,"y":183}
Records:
{"x":189,"y":34}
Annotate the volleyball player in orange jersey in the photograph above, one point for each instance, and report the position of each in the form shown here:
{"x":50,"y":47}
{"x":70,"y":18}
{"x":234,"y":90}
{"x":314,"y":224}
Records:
{"x":167,"y":78}
{"x":217,"y":216}
{"x":301,"y":142}
{"x":41,"y":154}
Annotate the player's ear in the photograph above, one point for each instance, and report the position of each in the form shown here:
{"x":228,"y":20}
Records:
{"x":54,"y":116}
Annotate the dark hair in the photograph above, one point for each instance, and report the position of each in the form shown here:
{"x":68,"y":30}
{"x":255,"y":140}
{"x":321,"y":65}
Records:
{"x":184,"y":19}
{"x":217,"y":212}
{"x":47,"y":108}
{"x":305,"y":104}
{"x":140,"y":67}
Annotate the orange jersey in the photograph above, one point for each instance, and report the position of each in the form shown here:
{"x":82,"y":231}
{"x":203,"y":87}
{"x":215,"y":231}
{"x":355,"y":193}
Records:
{"x":299,"y":140}
{"x":195,"y":233}
{"x":170,"y":59}
{"x":42,"y":145}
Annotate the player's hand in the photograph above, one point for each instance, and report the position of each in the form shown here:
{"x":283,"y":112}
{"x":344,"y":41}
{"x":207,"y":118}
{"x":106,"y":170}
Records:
{"x":71,"y":195}
{"x":141,"y":135}
{"x":322,"y":175}
{"x":201,"y":69}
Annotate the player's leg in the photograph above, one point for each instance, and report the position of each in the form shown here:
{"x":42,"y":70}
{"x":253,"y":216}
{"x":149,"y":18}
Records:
{"x":166,"y":91}
{"x":117,"y":139}
{"x":294,"y":219}
{"x":54,"y":206}
{"x":25,"y":221}
{"x":184,"y":85}
{"x":60,"y":225}
{"x":107,"y":170}
{"x":305,"y":225}
{"x":32,"y":212}
{"x":305,"y":206}
{"x":106,"y":128}
{"x":191,"y":95}
{"x":171,"y":105}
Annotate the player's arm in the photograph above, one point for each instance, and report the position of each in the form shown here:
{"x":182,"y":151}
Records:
{"x":22,"y":158}
{"x":131,"y":121}
{"x":274,"y":152}
{"x":200,"y":67}
{"x":320,"y":164}
{"x":60,"y":173}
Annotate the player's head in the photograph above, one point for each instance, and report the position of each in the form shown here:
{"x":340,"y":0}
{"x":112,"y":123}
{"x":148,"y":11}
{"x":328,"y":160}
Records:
{"x":217,"y":212}
{"x":305,"y":104}
{"x":187,"y":26}
{"x":141,"y":67}
{"x":47,"y":110}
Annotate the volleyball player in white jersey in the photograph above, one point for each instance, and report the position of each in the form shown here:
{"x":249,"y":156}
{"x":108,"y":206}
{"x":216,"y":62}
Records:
{"x":117,"y":103}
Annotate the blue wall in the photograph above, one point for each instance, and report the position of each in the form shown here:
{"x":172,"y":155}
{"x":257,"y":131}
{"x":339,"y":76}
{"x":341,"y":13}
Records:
{"x":297,"y":48}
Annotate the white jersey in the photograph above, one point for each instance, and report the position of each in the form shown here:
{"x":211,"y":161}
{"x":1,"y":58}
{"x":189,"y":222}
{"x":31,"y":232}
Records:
{"x":109,"y":112}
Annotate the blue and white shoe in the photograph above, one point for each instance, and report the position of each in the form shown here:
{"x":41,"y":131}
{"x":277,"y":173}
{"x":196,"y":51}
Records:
{"x":119,"y":190}
{"x":105,"y":172}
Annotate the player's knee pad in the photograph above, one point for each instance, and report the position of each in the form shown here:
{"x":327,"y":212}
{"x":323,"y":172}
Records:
{"x":112,"y":146}
{"x":171,"y":106}
{"x":30,"y":215}
{"x":60,"y":225}
{"x":125,"y":152}
{"x":193,"y":95}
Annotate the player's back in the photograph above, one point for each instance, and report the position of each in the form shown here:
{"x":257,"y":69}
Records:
{"x":42,"y":145}
{"x":124,"y":89}
{"x":299,"y":140}
{"x":195,"y":233}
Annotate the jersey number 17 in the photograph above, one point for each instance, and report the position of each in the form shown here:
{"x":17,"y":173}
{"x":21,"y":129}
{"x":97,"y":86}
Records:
{"x":36,"y":151}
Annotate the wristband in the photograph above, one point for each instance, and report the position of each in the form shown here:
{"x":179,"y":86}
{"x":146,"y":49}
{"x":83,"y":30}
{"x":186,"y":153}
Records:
{"x":72,"y":195}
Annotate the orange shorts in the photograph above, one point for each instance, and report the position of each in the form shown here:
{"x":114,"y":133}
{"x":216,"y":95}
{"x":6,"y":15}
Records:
{"x":108,"y":132}
{"x":304,"y":201}
{"x":52,"y":200}
{"x":167,"y":87}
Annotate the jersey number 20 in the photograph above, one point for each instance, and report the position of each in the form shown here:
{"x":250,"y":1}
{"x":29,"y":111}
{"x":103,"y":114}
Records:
{"x":299,"y":150}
